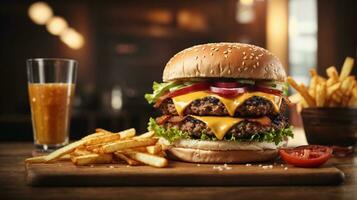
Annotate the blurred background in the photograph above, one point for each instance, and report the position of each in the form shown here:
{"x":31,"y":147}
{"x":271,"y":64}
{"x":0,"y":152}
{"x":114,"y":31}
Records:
{"x":123,"y":46}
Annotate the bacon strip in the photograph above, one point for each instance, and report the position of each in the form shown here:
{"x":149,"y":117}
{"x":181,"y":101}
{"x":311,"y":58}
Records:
{"x":161,"y":120}
{"x":265,"y":121}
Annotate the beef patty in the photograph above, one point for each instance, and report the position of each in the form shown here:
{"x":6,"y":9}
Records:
{"x":211,"y":106}
{"x":242,"y":130}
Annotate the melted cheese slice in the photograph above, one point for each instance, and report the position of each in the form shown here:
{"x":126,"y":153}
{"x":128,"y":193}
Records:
{"x":231,"y":104}
{"x":220,"y":125}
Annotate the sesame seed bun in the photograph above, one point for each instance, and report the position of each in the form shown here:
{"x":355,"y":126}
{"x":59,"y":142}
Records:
{"x":200,"y":151}
{"x":224,"y":60}
{"x":212,"y":156}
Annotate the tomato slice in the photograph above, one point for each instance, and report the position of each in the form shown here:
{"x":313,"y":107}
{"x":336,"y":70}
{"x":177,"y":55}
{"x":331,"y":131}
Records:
{"x":228,"y":92}
{"x":226,"y":84}
{"x":192,"y":88}
{"x":268,"y":90}
{"x":306,"y":156}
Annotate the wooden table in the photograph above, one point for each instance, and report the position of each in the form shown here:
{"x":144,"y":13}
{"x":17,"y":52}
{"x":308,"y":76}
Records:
{"x":12,"y":185}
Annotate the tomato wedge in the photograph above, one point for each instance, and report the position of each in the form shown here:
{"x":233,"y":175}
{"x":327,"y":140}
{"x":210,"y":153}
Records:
{"x":192,"y":88}
{"x":268,"y":90}
{"x":306,"y":156}
{"x":228,"y":92}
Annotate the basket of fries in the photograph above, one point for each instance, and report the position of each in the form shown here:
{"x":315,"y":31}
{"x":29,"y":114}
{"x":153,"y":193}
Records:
{"x":328,"y":106}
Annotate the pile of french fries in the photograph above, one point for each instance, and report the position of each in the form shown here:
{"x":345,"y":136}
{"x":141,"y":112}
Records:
{"x":338,"y":90}
{"x":104,"y":147}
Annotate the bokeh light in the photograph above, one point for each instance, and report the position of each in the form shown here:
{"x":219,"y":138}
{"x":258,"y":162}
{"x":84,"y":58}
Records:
{"x":72,"y":38}
{"x":40,"y":12}
{"x":56,"y":25}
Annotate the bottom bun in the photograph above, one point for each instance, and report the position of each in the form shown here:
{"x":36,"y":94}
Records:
{"x":214,"y":156}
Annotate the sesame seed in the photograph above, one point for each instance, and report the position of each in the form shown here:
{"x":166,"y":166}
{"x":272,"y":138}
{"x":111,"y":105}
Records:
{"x":198,"y":165}
{"x":250,"y":57}
{"x":211,"y":71}
{"x":225,"y":52}
{"x":245,"y":68}
{"x":248,"y":165}
{"x":243,"y":63}
{"x":229,"y":71}
{"x":254,"y":66}
{"x":244,"y":53}
{"x":265,"y":167}
{"x":212,"y":54}
{"x":257,"y":63}
{"x":286,"y":168}
{"x":196,"y":57}
{"x":256,"y":57}
{"x":225,"y":56}
{"x":216,"y":49}
{"x":212,"y":48}
{"x":203,"y":48}
{"x":260,"y":165}
{"x":244,"y":57}
{"x":111,"y":166}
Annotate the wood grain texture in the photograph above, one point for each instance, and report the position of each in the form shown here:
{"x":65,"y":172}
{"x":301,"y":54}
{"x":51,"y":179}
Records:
{"x":13,"y":185}
{"x":177,"y":174}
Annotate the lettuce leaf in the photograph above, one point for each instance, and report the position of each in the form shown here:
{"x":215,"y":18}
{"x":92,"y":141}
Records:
{"x":172,"y":134}
{"x":158,"y":90}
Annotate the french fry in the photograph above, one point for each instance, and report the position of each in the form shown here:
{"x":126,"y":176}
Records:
{"x":320,"y":94}
{"x":312,"y":88}
{"x":126,"y":134}
{"x":346,"y":68}
{"x":92,"y":159}
{"x":128,"y":160}
{"x":140,"y":149}
{"x":37,"y":159}
{"x":347,"y":84}
{"x":303,"y":92}
{"x":65,"y":157}
{"x":152,"y":160}
{"x":145,"y":135}
{"x":94,"y":146}
{"x":313,"y":73}
{"x":94,"y":135}
{"x":127,"y":144}
{"x":103,"y":139}
{"x":101,"y":130}
{"x":332,"y":89}
{"x":354,"y":91}
{"x":80,"y":152}
{"x":104,"y":158}
{"x":295,"y":98}
{"x":154,"y":149}
{"x":332,"y":73}
{"x":337,"y":97}
{"x":64,"y":150}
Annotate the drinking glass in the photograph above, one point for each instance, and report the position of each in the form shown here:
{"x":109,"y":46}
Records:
{"x":51,"y":84}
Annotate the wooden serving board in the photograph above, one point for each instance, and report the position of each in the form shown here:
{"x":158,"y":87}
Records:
{"x":178,"y":173}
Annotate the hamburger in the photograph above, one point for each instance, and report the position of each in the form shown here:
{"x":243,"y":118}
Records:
{"x":222,"y":103}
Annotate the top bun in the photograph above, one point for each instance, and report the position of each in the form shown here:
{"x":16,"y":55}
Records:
{"x":224,"y":60}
